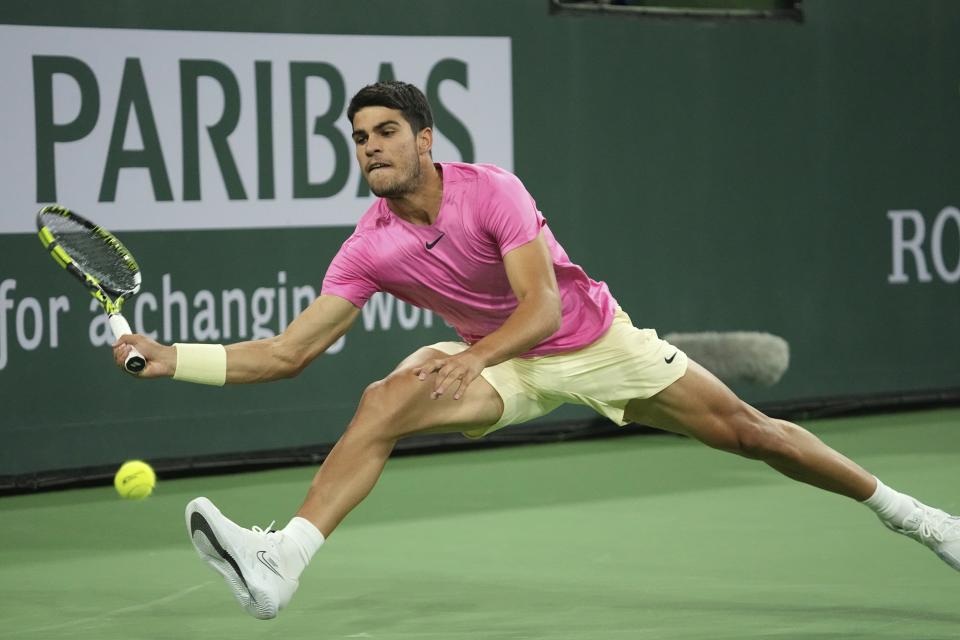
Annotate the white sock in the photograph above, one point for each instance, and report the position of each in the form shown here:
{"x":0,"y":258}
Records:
{"x":306,"y":539}
{"x":890,"y":505}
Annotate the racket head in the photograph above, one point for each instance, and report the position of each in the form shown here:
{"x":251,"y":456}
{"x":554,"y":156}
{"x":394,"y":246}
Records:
{"x":91,"y":253}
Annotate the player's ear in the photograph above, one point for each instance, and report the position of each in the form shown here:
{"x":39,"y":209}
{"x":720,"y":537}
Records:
{"x":425,"y":140}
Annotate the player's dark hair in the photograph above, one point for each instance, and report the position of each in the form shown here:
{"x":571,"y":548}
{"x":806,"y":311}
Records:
{"x":394,"y":94}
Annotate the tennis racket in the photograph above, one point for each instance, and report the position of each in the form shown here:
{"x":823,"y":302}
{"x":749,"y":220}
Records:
{"x":96,"y":258}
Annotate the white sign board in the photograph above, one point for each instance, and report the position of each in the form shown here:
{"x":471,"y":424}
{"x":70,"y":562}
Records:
{"x":168,"y":130}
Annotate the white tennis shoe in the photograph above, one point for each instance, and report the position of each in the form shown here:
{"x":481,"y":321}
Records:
{"x":248,"y":559}
{"x":935,"y":529}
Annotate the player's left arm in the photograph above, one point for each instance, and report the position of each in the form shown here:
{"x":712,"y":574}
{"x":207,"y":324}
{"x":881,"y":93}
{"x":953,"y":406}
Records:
{"x":537,"y":316}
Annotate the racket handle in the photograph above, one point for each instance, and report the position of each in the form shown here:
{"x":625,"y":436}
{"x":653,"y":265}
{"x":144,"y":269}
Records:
{"x":135,"y":362}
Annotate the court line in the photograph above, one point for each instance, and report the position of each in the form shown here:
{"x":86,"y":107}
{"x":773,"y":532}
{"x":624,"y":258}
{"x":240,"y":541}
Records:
{"x":108,"y":614}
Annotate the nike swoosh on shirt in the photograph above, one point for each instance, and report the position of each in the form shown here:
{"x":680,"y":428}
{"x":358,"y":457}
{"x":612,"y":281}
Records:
{"x":670,"y":359}
{"x":431,"y":245}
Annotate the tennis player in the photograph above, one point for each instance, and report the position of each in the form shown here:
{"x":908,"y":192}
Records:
{"x":467,"y":241}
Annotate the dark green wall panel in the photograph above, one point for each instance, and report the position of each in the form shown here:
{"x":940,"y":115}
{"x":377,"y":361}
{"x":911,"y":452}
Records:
{"x":719,"y":176}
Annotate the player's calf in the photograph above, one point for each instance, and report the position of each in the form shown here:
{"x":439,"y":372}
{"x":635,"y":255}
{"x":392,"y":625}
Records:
{"x":798,"y":453}
{"x":747,"y":432}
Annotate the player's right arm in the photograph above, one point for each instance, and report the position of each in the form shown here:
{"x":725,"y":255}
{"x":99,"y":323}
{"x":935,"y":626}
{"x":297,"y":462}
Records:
{"x":282,"y":356}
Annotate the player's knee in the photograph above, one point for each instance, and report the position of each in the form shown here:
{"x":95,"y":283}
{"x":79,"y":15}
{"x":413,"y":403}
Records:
{"x":385,"y":404}
{"x":377,"y":399}
{"x":761,"y":437}
{"x":373,"y":392}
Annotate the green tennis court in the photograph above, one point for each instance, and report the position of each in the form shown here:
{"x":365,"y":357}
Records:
{"x":639,"y":537}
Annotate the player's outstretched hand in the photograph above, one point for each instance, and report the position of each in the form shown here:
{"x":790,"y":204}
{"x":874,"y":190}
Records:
{"x":454,"y":373}
{"x":161,"y":359}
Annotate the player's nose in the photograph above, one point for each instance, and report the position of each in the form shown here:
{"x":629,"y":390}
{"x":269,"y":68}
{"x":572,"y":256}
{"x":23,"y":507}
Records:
{"x":372,"y":146}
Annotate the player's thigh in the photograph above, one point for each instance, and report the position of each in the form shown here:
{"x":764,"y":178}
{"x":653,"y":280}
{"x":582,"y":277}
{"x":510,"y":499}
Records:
{"x":698,"y":405}
{"x":419,"y":357}
{"x":405,"y":401}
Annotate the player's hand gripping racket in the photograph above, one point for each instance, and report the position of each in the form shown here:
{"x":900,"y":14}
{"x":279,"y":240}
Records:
{"x":98,"y":260}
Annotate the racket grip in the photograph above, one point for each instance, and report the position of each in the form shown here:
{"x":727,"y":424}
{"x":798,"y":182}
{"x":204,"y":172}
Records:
{"x":135,"y":362}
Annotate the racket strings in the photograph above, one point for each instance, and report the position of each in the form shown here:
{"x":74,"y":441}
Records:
{"x":93,"y":253}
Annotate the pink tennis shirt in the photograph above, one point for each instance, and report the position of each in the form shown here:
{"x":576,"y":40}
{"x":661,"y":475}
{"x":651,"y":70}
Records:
{"x":454,"y":267}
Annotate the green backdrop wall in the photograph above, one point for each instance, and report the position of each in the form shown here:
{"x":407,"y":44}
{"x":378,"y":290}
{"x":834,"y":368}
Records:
{"x":718,"y":175}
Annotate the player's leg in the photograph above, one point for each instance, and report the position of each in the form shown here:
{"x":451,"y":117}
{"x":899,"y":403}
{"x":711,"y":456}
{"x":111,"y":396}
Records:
{"x":397,"y":406}
{"x":700,"y":406}
{"x":263,"y":568}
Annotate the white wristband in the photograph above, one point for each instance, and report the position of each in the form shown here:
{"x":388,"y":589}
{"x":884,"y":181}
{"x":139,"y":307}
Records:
{"x":201,"y":363}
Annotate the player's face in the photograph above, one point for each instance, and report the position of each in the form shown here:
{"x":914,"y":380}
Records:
{"x":387,"y":150}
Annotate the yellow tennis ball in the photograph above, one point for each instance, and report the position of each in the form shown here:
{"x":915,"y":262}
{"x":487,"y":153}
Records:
{"x":135,"y":480}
